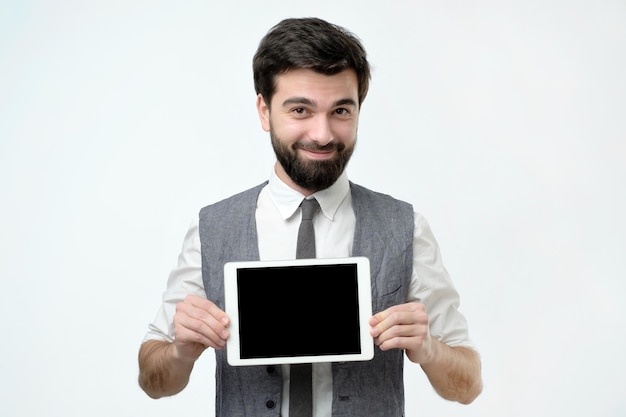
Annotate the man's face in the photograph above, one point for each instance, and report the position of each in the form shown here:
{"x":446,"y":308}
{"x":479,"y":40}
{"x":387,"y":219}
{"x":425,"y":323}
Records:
{"x":313,"y":124}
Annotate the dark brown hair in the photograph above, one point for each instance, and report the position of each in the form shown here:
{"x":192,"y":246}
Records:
{"x":310,"y":43}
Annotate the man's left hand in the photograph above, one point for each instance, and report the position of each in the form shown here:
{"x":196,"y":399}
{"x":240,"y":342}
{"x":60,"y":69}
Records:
{"x":404,"y":326}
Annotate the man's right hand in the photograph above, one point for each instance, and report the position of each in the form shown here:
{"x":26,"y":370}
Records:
{"x":199,"y":324}
{"x":165,"y":367}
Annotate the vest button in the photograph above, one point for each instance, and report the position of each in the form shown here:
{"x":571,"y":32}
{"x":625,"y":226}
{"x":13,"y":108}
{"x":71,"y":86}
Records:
{"x":271,"y":369}
{"x":270,"y":404}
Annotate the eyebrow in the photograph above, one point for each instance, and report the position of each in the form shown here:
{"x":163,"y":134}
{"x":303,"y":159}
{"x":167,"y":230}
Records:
{"x":308,"y":102}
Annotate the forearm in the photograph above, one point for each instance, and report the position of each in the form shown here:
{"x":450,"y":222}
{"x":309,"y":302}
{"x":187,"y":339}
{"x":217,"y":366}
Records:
{"x":454,"y":372}
{"x":161,"y":372}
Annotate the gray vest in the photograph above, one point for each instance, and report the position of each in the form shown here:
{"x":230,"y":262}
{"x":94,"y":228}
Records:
{"x":384,"y":234}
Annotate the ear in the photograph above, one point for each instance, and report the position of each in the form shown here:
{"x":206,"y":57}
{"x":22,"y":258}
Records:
{"x":264,"y":112}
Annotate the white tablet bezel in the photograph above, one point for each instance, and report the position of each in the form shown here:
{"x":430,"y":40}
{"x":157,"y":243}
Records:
{"x":364,"y":302}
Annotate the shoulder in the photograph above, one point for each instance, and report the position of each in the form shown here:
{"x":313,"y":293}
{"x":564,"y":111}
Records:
{"x":234,"y":202}
{"x":378,"y":199}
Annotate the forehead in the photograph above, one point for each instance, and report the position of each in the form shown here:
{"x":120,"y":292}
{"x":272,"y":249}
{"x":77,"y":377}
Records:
{"x":316,"y":87}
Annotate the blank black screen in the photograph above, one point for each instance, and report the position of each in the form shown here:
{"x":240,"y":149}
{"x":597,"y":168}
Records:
{"x":298,"y":311}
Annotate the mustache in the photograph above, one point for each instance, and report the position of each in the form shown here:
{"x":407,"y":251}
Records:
{"x":312,"y":146}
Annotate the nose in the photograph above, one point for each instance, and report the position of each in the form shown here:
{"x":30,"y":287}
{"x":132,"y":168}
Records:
{"x":320,"y":130}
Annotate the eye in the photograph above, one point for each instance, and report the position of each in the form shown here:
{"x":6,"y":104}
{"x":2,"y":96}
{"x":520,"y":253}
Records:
{"x":342,"y":111}
{"x":299,"y":111}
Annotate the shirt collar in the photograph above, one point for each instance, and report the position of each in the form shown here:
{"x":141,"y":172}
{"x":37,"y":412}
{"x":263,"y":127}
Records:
{"x":287,"y":200}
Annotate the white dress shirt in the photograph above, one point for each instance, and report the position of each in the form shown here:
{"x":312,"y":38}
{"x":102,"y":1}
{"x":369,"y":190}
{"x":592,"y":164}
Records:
{"x":278,"y":220}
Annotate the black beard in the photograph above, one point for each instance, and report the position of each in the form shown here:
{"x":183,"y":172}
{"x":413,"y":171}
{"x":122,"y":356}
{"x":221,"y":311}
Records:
{"x":312,"y":175}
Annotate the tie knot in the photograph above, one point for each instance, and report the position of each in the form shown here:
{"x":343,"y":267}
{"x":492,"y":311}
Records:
{"x":309,"y":207}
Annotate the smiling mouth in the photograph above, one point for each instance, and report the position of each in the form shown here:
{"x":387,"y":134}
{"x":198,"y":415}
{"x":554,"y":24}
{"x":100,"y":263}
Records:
{"x":326,"y":149}
{"x":313,"y":151}
{"x":318,"y":154}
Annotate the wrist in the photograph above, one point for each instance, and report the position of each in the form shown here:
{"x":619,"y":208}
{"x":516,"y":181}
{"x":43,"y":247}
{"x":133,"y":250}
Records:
{"x":426,"y":353}
{"x":178,"y":356}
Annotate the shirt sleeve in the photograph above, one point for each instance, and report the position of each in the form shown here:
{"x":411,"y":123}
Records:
{"x":432,"y":286}
{"x":185,"y":279}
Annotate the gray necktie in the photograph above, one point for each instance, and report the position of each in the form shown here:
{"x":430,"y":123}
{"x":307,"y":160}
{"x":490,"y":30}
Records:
{"x":306,"y":235}
{"x":301,"y":379}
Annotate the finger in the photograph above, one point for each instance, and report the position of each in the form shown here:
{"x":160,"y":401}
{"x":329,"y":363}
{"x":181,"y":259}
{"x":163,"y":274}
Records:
{"x":208,"y":306}
{"x":395,"y":316}
{"x":189,"y":336}
{"x":405,"y":343}
{"x":191,"y":329}
{"x":408,"y":307}
{"x":199,"y":320}
{"x":206,"y":311}
{"x":401,"y":331}
{"x":202,"y":320}
{"x":185,"y":337}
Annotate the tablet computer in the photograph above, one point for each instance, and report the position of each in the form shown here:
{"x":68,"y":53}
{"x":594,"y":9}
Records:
{"x":298,"y":311}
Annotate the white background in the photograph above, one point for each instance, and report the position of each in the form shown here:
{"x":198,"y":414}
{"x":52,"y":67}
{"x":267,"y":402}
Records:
{"x":503,"y":122}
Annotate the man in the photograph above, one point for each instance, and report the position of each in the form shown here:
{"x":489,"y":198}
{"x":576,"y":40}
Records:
{"x":311,"y":78}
